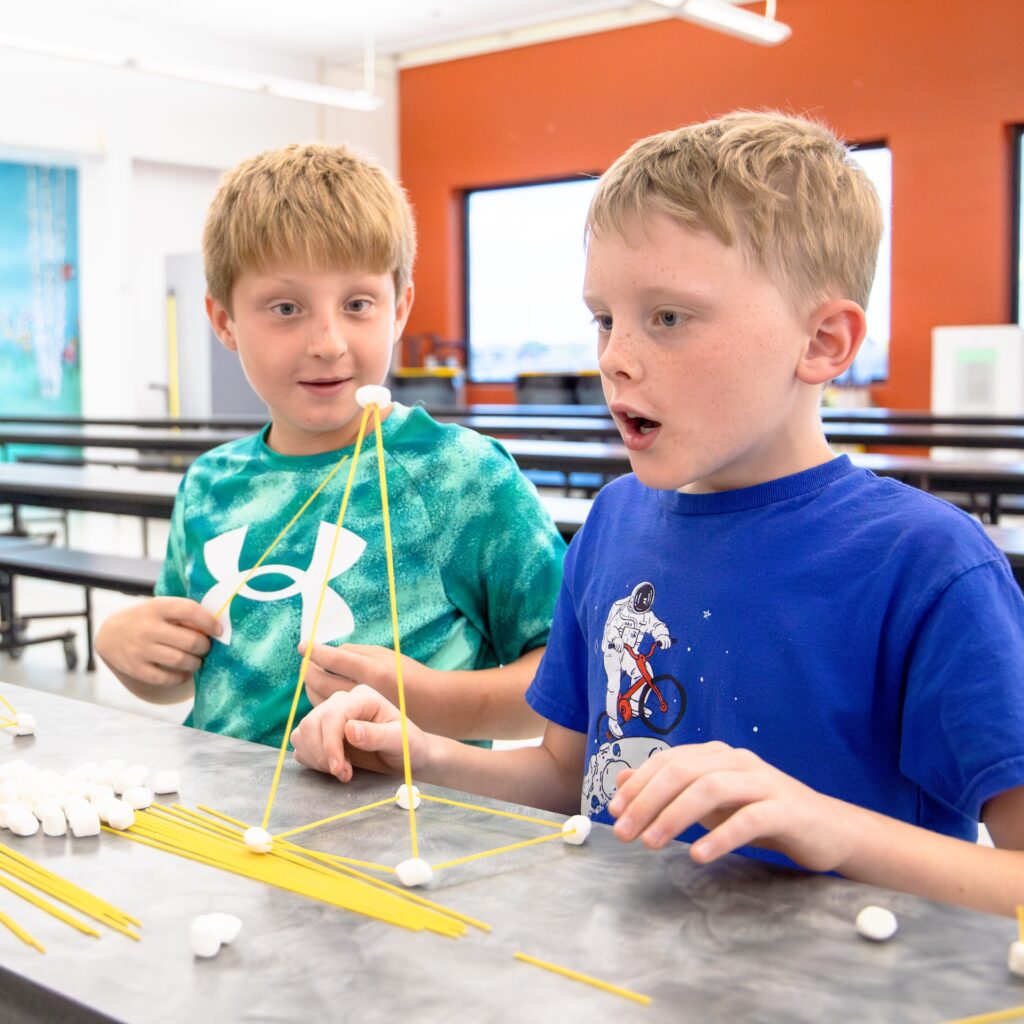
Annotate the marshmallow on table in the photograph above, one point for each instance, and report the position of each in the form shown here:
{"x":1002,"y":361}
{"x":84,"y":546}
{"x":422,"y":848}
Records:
{"x":414,"y":871}
{"x":164,"y":782}
{"x":1015,"y":958}
{"x":83,"y":820}
{"x":54,"y":823}
{"x":209,"y":932}
{"x":138,"y":798}
{"x":24,"y":724}
{"x":119,"y":815}
{"x":259,"y":840}
{"x":576,"y":829}
{"x":876,"y":924}
{"x":373,"y":394}
{"x":402,"y":797}
{"x":22,"y":822}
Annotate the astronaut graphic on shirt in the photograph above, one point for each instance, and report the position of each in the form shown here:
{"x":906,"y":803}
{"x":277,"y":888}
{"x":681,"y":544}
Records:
{"x":628,"y":622}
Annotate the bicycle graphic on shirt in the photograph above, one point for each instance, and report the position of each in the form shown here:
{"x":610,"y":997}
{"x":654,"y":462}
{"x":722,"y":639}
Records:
{"x":659,"y":701}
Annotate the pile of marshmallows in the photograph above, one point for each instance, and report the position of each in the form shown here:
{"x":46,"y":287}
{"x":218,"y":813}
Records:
{"x":78,"y":801}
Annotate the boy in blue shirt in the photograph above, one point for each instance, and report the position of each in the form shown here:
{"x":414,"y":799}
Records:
{"x":756,"y":644}
{"x":308,"y":253}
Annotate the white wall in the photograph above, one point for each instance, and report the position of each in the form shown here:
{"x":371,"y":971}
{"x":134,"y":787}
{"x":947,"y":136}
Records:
{"x":149,"y":151}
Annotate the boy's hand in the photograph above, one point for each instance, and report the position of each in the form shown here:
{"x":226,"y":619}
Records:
{"x":160,"y":642}
{"x":739,"y":798}
{"x":340,"y":669}
{"x":355,"y":728}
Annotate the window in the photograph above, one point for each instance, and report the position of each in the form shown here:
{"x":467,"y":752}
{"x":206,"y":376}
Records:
{"x":872,"y":362}
{"x":524,"y":279}
{"x":1018,"y":239}
{"x":524,"y":265}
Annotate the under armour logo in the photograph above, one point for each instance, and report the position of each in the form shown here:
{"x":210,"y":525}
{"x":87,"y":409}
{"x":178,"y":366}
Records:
{"x":222,"y":555}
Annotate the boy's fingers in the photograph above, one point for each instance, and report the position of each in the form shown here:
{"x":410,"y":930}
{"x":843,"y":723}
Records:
{"x":706,"y":800}
{"x":325,"y":683}
{"x":192,"y":614}
{"x":371,"y":737}
{"x":332,"y":732}
{"x":751,"y":823}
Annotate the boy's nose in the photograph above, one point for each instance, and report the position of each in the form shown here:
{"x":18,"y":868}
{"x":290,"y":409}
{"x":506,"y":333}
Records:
{"x":328,"y":339}
{"x":617,"y":358}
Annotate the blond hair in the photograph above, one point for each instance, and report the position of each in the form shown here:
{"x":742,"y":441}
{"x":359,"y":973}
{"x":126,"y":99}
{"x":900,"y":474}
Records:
{"x":784,"y":188}
{"x":319,"y":207}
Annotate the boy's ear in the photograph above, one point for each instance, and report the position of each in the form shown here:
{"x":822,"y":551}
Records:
{"x":221,"y":322}
{"x":403,"y":307}
{"x":836,"y":330}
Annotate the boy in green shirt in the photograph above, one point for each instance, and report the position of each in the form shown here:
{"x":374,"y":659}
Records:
{"x":308,"y":254}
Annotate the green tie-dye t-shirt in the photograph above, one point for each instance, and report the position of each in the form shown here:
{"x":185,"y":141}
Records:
{"x":478,"y":562}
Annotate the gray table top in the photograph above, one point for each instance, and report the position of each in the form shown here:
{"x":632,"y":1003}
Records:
{"x":734,"y":942}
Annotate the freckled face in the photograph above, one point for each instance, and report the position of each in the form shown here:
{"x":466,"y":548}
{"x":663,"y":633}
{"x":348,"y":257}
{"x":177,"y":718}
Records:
{"x":308,"y":340}
{"x":698,"y":351}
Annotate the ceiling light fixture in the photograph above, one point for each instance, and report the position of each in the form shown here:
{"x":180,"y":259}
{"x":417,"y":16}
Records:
{"x":228,"y":78}
{"x":733,"y":20}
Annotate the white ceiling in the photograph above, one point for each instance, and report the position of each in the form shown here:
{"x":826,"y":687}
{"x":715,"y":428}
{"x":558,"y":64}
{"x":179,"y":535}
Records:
{"x":335,"y":30}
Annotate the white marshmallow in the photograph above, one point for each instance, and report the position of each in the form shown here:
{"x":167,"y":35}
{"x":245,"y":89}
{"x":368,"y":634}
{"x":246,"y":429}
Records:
{"x":227,"y":926}
{"x":877,"y":924}
{"x":22,"y":822}
{"x":8,"y":791}
{"x":138,"y":797}
{"x":75,"y":790}
{"x":24,"y":724}
{"x":55,"y":824}
{"x":84,"y":772}
{"x":137,"y":775}
{"x":1015,"y":957}
{"x":48,"y":807}
{"x":84,"y":820}
{"x":373,"y":394}
{"x":119,"y":815}
{"x":204,"y":936}
{"x":414,"y":871}
{"x":99,"y":793}
{"x":114,"y":765}
{"x":164,"y":782}
{"x":259,"y":840}
{"x":576,"y":829}
{"x":5,"y":809}
{"x":402,"y":797}
{"x":75,"y":804}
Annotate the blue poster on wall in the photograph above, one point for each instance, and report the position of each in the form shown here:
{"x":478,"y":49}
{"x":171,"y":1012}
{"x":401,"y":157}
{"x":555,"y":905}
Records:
{"x":39,"y":331}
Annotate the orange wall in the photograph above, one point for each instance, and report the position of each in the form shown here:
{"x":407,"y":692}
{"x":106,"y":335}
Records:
{"x":940,"y":81}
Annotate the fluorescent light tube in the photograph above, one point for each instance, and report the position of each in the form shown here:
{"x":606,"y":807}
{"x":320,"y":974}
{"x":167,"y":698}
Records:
{"x":48,"y":49}
{"x":734,"y":21}
{"x":326,"y":95}
{"x":226,"y":77}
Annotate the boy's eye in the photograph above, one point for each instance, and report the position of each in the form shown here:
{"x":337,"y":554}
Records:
{"x":669,"y":318}
{"x":286,"y":308}
{"x":603,"y":321}
{"x":358,"y":305}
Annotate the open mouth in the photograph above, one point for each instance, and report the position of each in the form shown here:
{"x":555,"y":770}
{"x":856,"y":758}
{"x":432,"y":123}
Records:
{"x":639,"y":424}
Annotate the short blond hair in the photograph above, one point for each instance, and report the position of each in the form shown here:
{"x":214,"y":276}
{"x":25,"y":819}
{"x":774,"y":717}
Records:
{"x":315,"y":206}
{"x":784,"y":188}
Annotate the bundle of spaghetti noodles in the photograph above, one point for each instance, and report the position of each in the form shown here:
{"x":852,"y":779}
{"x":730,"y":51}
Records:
{"x":212,"y":838}
{"x":35,"y":883}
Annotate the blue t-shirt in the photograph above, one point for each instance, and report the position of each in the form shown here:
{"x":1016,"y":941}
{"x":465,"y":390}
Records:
{"x":858,"y":634}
